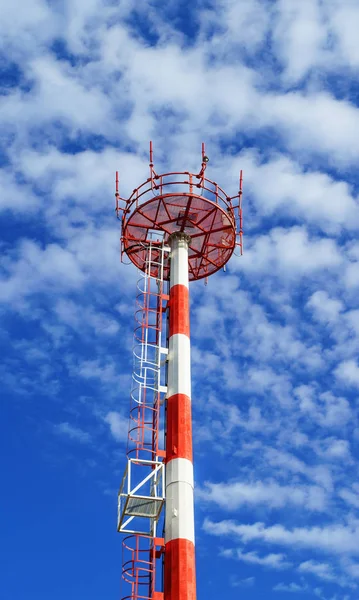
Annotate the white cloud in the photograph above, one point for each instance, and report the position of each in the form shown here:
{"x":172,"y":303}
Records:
{"x":337,"y":449}
{"x":332,"y":539}
{"x":326,"y":572}
{"x":311,"y":196}
{"x":72,"y":432}
{"x":345,"y":15}
{"x":118,"y":425}
{"x":350,"y":496}
{"x":327,"y":410}
{"x":36,"y":23}
{"x":12,"y":194}
{"x":300,"y":36}
{"x":325,"y":309}
{"x":87,"y":257}
{"x":290,"y":253}
{"x":320,"y":474}
{"x":317,"y":122}
{"x":247,"y":582}
{"x":272,"y":561}
{"x":322,"y":570}
{"x":35,"y":268}
{"x":291,"y":587}
{"x":106,"y":372}
{"x":348,"y":372}
{"x":81,"y":317}
{"x":231,"y":496}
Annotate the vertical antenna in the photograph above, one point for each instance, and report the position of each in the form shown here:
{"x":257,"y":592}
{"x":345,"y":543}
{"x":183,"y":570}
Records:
{"x":240,"y":212}
{"x":117,"y":196}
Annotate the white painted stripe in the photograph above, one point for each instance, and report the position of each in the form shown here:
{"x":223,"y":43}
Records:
{"x":179,"y":469}
{"x":179,"y":365}
{"x":179,"y":500}
{"x":179,"y":263}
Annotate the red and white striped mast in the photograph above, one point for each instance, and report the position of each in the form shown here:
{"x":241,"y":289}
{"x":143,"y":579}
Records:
{"x":176,"y":227}
{"x":180,"y":572}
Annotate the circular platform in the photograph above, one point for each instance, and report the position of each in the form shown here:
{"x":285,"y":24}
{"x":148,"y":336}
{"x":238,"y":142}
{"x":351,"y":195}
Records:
{"x":209,"y":223}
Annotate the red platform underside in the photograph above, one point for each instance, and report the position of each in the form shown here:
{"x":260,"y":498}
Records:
{"x":210,"y":227}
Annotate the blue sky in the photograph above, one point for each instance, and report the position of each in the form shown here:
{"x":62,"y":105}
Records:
{"x":271,"y":87}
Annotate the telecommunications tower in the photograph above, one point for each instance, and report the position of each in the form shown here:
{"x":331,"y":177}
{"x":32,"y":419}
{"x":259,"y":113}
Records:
{"x":176,"y":227}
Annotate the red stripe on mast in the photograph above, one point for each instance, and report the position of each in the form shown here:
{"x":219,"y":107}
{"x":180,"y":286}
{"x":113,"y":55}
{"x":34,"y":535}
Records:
{"x":179,"y":310}
{"x":180,"y":576}
{"x":179,"y":427}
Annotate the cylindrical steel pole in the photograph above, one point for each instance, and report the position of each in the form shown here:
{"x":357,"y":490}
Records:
{"x":179,"y":570}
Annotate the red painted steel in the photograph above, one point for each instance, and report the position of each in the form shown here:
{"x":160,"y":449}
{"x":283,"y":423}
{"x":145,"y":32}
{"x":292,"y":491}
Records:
{"x":179,"y":427}
{"x":179,"y":310}
{"x":180,"y":574}
{"x":187,"y":202}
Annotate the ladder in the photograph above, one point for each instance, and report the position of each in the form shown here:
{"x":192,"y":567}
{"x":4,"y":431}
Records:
{"x":142,"y":492}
